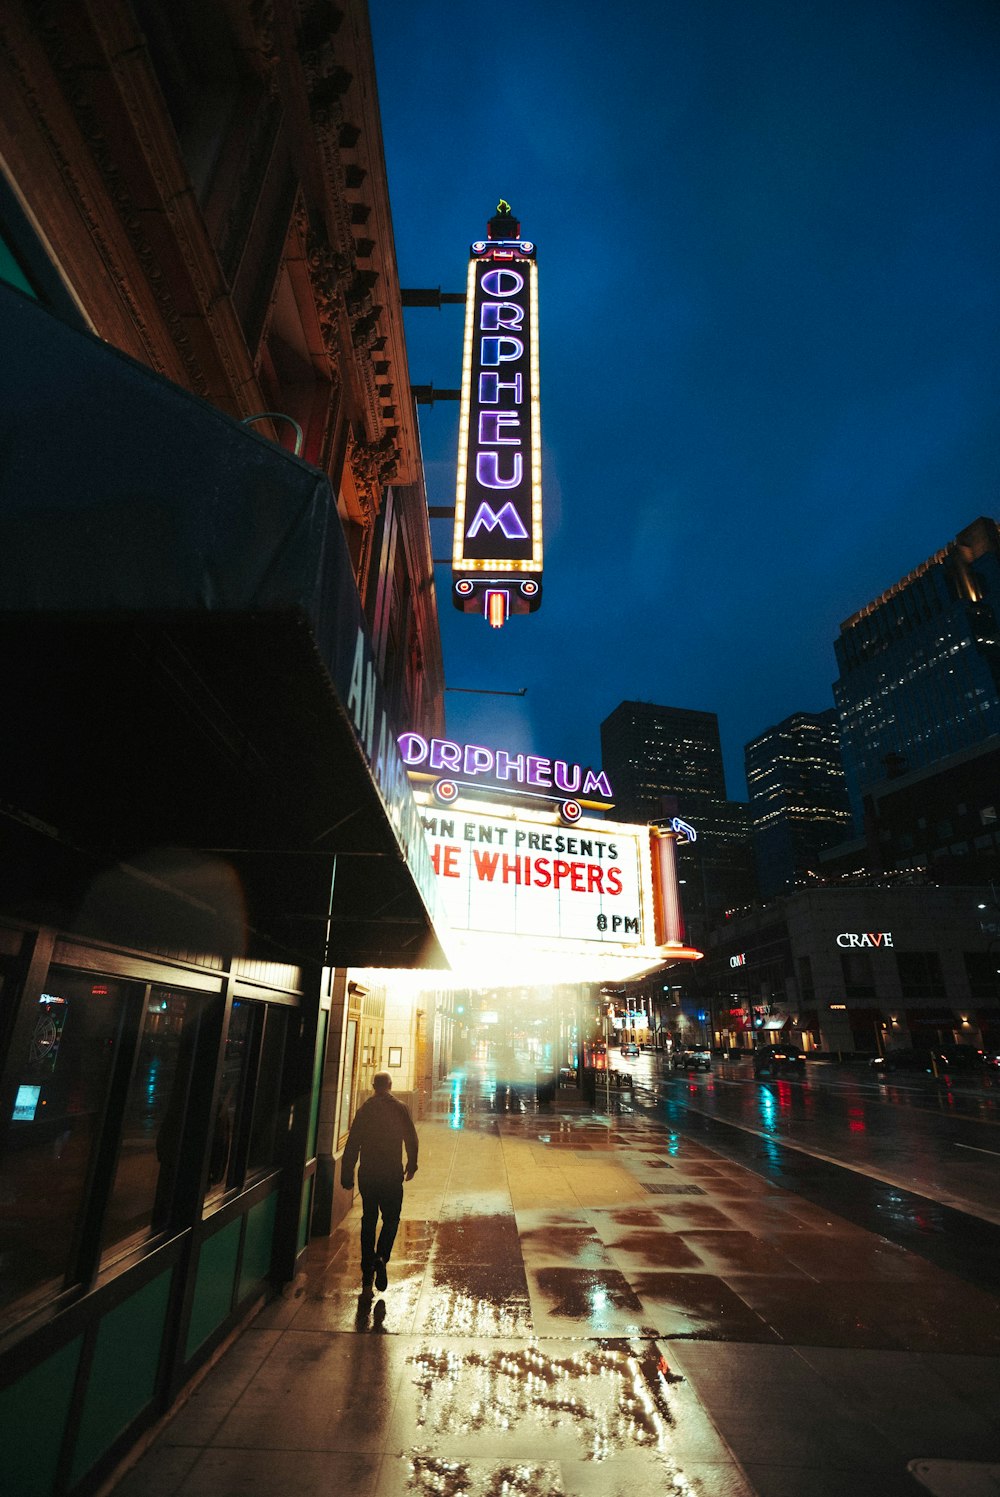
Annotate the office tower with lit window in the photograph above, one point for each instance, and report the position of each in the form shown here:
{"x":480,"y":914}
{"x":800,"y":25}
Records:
{"x":920,"y":665}
{"x":668,"y":760}
{"x":798,"y":798}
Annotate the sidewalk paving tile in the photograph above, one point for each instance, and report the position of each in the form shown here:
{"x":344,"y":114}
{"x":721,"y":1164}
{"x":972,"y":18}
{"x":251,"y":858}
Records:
{"x":582,"y":1305}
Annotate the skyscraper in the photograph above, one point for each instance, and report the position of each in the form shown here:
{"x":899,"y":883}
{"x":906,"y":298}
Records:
{"x":663,"y":760}
{"x":920,"y":665}
{"x":798,"y":797}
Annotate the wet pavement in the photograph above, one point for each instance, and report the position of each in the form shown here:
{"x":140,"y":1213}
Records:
{"x":936,"y":1137}
{"x":589,"y":1303}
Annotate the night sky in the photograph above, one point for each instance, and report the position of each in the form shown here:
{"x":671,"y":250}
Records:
{"x":769,"y":238}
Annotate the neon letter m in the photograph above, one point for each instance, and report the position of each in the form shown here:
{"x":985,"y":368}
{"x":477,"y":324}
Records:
{"x":507,"y":518}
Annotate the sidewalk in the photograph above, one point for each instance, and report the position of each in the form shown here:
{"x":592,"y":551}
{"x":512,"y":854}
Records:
{"x":583,"y":1304}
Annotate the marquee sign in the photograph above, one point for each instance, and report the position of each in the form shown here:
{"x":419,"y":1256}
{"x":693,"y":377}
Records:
{"x":497,"y":547}
{"x":455,"y":767}
{"x":520,"y":881}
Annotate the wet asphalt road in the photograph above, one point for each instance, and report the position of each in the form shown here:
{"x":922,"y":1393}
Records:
{"x":916,"y":1160}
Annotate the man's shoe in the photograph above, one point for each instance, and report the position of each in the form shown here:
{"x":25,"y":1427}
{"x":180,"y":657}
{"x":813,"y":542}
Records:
{"x":381,"y":1277}
{"x":366,"y":1282}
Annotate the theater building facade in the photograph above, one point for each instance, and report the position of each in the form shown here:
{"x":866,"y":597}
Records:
{"x":217,"y":610}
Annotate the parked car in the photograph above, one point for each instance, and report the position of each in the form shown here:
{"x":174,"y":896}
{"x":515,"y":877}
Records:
{"x":963,"y":1058}
{"x":777,"y":1060}
{"x":629,"y":1049}
{"x":928,"y":1059}
{"x":693,"y":1058}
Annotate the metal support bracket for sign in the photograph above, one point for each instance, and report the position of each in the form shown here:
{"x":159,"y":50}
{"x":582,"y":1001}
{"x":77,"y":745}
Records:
{"x":429,"y":296}
{"x":485,"y":691}
{"x":426,"y":394}
{"x":441,"y":512}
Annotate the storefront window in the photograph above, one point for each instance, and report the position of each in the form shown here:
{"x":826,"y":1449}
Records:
{"x":246,"y":1136}
{"x":920,"y":974}
{"x":222,"y":1158}
{"x":154,"y":1116}
{"x":264,"y":1136}
{"x":60,"y":1088}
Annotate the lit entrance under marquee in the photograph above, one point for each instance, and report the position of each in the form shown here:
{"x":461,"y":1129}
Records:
{"x":497,"y":547}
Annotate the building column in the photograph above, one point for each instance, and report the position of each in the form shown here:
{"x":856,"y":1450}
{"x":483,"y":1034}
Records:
{"x":327,"y":1210}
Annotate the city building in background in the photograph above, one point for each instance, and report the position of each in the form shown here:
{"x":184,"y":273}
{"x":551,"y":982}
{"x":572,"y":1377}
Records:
{"x":666,"y":761}
{"x":942,"y":821}
{"x":217,"y":612}
{"x":920,"y":665}
{"x":858,"y":969}
{"x":798,"y":798}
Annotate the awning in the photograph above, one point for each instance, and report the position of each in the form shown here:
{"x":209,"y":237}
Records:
{"x":185,"y":665}
{"x":774,"y":1024}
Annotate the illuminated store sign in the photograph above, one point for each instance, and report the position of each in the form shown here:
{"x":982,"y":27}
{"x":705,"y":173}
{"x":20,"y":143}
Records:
{"x":497,"y":550}
{"x":466,"y":762}
{"x":866,"y":938}
{"x":738,"y":961}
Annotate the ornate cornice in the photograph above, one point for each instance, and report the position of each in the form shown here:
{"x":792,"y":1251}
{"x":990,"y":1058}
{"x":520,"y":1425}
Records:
{"x":244,"y":195}
{"x":75,"y":82}
{"x":330,"y":271}
{"x":73,"y":176}
{"x":262,"y":20}
{"x":373,"y":465}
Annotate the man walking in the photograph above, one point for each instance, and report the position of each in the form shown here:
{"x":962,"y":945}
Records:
{"x":382,"y":1128}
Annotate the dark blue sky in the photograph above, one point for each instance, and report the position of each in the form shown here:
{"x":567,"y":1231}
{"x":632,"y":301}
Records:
{"x":769,"y":240}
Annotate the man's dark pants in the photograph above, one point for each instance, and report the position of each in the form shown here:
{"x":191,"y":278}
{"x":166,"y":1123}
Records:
{"x":385,"y":1196}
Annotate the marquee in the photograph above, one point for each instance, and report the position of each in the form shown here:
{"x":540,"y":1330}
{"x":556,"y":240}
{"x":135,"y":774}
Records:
{"x":521,"y":887}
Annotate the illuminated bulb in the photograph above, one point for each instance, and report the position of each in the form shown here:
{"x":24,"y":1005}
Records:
{"x":496,"y":609}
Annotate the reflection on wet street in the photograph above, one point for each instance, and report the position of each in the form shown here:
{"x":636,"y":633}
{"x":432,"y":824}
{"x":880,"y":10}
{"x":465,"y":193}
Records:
{"x":587,"y":1302}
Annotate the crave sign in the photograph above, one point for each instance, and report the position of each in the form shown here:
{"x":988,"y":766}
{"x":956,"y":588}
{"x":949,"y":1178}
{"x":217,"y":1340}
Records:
{"x":497,"y":550}
{"x":526,"y":876}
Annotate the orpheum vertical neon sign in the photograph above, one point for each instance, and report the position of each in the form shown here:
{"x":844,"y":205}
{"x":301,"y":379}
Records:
{"x":497,"y":552}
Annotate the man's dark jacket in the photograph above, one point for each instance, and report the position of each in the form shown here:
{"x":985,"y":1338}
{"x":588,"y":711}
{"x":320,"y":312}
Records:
{"x":382,"y":1128}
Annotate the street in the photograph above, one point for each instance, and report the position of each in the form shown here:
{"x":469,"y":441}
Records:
{"x":916,"y":1147}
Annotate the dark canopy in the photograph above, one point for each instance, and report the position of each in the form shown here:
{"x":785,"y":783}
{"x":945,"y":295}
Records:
{"x":188,"y":687}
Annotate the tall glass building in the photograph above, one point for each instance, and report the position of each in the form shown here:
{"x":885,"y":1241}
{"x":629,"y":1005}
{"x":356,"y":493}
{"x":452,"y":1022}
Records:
{"x":798,"y":797}
{"x":920,"y":665}
{"x":666,"y":759}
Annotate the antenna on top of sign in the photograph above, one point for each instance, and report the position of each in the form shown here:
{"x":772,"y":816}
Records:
{"x":497,"y":540}
{"x":503,"y":224}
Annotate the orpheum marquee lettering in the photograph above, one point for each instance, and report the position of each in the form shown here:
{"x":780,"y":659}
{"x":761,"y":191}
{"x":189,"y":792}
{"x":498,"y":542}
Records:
{"x":497,"y":551}
{"x":472,"y":761}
